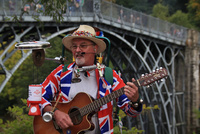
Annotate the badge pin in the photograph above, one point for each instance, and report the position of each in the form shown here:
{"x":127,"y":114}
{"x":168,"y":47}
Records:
{"x":76,"y":79}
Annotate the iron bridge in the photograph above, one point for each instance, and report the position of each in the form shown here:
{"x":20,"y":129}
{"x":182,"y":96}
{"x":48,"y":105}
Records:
{"x":136,"y":49}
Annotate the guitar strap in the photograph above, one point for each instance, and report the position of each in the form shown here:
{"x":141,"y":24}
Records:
{"x":109,"y":75}
{"x":65,"y":68}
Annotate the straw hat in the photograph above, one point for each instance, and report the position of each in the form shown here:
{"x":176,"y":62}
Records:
{"x":85,"y":32}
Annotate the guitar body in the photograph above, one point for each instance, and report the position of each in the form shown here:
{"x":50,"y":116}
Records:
{"x":83,"y":123}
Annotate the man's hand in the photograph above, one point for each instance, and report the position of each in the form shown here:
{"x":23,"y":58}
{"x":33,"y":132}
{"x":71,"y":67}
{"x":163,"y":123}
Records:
{"x":131,"y":91}
{"x":62,"y":119}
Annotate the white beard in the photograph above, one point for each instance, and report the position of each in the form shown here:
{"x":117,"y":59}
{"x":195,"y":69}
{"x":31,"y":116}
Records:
{"x":80,"y":61}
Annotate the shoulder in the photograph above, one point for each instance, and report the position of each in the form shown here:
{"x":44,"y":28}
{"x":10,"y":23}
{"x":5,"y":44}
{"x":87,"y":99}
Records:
{"x":67,"y":67}
{"x":57,"y":70}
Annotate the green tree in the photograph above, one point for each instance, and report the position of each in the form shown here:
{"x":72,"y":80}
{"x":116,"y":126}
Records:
{"x":175,"y":5}
{"x":194,"y":12}
{"x":19,"y":123}
{"x":160,"y":11}
{"x":181,"y":5}
{"x":53,"y":8}
{"x":180,"y":18}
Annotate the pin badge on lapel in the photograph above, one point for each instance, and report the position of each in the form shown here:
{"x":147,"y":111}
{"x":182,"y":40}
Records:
{"x":76,"y":78}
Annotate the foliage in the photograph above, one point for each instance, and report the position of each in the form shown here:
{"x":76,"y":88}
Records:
{"x":146,"y":6}
{"x":125,"y":130}
{"x":160,"y":11}
{"x":180,"y":18}
{"x":133,"y":130}
{"x":175,"y":5}
{"x":194,"y":12}
{"x":21,"y":123}
{"x":27,"y":73}
{"x":54,"y":8}
{"x":197,"y":113}
{"x":138,"y":5}
{"x":113,"y":1}
{"x":146,"y":109}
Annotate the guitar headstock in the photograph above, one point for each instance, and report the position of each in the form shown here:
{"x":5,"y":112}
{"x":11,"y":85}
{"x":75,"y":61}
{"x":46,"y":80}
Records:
{"x":156,"y":75}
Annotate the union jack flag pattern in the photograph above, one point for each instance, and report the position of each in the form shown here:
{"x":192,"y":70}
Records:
{"x":59,"y":82}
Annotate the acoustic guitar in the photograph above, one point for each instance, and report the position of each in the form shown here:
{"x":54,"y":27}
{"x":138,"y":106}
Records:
{"x":82,"y":107}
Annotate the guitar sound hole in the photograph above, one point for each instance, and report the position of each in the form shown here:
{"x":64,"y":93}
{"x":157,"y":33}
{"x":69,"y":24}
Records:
{"x":75,"y":116}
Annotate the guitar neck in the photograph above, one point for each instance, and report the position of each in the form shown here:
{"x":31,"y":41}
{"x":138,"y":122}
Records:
{"x":101,"y":101}
{"x":144,"y":80}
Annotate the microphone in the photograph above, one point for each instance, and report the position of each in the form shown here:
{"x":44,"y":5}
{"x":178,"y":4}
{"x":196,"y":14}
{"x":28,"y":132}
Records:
{"x":87,"y":53}
{"x":86,"y":68}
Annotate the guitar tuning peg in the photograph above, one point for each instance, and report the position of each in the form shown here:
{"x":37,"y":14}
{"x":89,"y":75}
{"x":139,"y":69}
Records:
{"x":160,"y":68}
{"x":142,"y":75}
{"x":148,"y":86}
{"x":153,"y":71}
{"x":161,"y":79}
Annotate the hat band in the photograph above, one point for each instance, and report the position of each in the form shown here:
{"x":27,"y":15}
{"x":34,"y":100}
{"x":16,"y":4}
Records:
{"x":82,"y":33}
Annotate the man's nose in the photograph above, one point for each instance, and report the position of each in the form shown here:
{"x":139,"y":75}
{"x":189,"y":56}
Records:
{"x":78,"y":48}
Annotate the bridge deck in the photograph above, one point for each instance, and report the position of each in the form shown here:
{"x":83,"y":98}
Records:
{"x":107,"y":13}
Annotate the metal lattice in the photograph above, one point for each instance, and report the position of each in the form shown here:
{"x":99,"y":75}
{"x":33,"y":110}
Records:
{"x":134,"y":56}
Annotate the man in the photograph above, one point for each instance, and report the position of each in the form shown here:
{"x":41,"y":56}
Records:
{"x":84,"y":46}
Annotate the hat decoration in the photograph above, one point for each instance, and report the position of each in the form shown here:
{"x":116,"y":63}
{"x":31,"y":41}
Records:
{"x":82,"y":33}
{"x":99,"y":33}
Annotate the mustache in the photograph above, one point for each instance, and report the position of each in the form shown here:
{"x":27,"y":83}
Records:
{"x":88,"y":53}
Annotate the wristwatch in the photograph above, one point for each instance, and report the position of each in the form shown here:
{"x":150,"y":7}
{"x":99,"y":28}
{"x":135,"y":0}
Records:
{"x":48,"y":116}
{"x":136,"y":104}
{"x":54,"y":110}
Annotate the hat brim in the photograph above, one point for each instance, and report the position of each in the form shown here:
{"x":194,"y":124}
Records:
{"x":67,"y":42}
